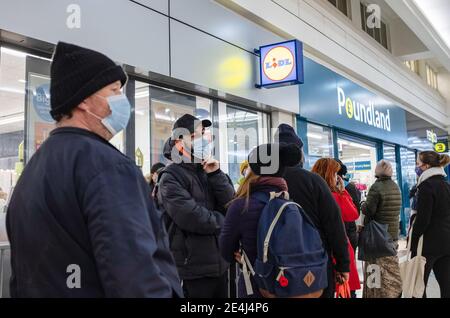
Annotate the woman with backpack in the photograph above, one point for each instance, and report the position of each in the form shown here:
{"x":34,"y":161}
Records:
{"x":239,"y":233}
{"x":328,"y":169}
{"x":433,"y":217}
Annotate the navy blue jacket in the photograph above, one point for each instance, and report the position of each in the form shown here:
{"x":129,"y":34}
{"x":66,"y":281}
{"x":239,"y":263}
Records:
{"x":81,"y":202}
{"x":240,"y":231}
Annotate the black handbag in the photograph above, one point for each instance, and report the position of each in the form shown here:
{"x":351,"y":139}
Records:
{"x":375,"y":242}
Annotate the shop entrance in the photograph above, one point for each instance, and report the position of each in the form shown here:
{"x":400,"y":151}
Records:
{"x":360,"y":157}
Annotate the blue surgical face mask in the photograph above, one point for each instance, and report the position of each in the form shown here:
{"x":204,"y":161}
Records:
{"x":120,"y":113}
{"x":201,"y":148}
{"x":419,"y":171}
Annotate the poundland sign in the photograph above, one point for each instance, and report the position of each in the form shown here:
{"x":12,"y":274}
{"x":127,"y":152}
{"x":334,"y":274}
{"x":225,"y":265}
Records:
{"x":331,"y":99}
{"x":367,"y":114}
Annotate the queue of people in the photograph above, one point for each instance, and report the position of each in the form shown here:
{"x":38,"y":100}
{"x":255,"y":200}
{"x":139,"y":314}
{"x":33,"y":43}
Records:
{"x":82,"y":208}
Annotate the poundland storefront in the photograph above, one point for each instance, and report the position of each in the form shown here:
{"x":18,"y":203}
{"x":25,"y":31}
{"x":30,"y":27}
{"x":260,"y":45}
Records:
{"x":341,"y":119}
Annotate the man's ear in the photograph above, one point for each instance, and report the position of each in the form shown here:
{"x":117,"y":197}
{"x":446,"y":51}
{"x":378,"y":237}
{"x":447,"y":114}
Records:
{"x":83,"y":105}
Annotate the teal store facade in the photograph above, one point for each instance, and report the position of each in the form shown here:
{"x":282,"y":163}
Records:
{"x":341,"y":119}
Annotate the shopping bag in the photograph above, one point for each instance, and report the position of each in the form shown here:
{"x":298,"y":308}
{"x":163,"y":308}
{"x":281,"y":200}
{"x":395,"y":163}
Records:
{"x":343,"y":290}
{"x":375,"y":242}
{"x":412,"y":272}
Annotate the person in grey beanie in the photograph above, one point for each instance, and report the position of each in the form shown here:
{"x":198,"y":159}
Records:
{"x":383,"y":204}
{"x":81,"y":222}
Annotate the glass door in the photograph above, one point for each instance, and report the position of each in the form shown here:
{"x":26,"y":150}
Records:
{"x":409,"y":179}
{"x":360,"y":157}
{"x":390,"y":155}
{"x":240,"y":130}
{"x":156,"y":110}
{"x":37,"y":105}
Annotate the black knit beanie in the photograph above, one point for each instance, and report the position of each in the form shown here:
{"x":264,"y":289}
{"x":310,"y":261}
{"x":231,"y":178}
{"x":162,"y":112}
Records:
{"x":289,"y":155}
{"x":76,"y":74}
{"x":287,"y":134}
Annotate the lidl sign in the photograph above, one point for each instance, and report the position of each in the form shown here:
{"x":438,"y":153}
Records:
{"x":281,"y":64}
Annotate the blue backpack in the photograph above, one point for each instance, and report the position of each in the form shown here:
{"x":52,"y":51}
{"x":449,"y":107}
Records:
{"x":291,"y":260}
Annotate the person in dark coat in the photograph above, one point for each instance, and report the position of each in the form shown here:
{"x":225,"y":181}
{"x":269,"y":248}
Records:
{"x":80,"y":221}
{"x":433,"y":217}
{"x":242,"y":219}
{"x":193,"y":192}
{"x":312,"y":193}
{"x":154,"y":172}
{"x":350,"y":227}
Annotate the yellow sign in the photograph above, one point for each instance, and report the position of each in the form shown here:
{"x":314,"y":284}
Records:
{"x":139,"y":158}
{"x":440,"y":147}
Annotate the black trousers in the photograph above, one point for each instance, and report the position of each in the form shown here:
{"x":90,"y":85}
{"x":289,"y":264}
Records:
{"x":208,"y":287}
{"x":441,"y":268}
{"x":330,"y":291}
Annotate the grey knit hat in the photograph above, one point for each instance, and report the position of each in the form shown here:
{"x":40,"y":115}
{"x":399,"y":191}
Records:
{"x":384,"y":169}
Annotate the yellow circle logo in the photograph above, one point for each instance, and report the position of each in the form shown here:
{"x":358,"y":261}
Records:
{"x":349,"y":108}
{"x":440,"y":147}
{"x":278,"y":63}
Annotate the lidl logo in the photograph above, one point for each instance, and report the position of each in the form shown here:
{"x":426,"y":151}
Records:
{"x":364,"y":113}
{"x":278,"y":63}
{"x":281,"y":64}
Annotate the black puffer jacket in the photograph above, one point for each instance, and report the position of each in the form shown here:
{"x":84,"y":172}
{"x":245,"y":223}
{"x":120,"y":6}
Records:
{"x":194,"y":203}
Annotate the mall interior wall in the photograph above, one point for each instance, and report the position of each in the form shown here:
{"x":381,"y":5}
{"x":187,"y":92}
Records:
{"x":197,"y":41}
{"x":335,"y":41}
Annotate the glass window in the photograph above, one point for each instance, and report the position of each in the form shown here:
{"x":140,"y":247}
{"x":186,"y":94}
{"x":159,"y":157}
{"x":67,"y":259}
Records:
{"x":12,"y":118}
{"x":432,"y":77}
{"x":156,"y":110}
{"x":379,"y":34}
{"x":413,"y":66}
{"x":360,"y":157}
{"x":363,"y":17}
{"x":389,"y":154}
{"x":240,"y":131}
{"x":409,"y":178}
{"x":384,"y":35}
{"x":320,"y":144}
{"x":341,"y":5}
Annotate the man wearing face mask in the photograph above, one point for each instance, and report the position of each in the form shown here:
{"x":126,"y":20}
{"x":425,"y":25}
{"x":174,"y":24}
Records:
{"x":194,"y":192}
{"x":81,"y":222}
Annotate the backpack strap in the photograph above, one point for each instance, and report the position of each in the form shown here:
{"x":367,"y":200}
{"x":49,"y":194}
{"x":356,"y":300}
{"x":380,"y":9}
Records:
{"x":247,"y":270}
{"x":271,"y":228}
{"x":274,"y":223}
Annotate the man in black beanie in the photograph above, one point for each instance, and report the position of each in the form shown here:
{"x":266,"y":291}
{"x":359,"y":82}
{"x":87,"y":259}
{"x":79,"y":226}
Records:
{"x":81,"y":222}
{"x":313,"y":194}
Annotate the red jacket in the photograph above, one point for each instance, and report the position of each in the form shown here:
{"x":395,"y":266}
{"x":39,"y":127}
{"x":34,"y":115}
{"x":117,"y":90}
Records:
{"x":349,"y":213}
